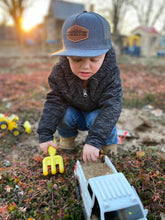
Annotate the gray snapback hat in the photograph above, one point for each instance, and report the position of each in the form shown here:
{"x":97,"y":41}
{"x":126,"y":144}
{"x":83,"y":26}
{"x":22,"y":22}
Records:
{"x":85,"y":35}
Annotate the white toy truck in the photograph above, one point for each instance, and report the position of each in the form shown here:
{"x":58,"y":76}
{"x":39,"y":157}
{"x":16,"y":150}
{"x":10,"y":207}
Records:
{"x":109,"y":196}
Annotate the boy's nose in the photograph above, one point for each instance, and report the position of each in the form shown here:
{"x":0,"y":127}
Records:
{"x":86,"y":64}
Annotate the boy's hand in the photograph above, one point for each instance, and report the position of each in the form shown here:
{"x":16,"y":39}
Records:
{"x":44,"y":146}
{"x":90,"y":153}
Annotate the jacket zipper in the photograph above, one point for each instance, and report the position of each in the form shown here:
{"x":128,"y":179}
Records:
{"x":85,"y":94}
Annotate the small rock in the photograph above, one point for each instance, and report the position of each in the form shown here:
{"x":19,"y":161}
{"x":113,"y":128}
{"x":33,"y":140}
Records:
{"x":9,"y":105}
{"x":4,"y":100}
{"x":148,"y":107}
{"x":6,"y":163}
{"x":162,"y":216}
{"x":157,"y":112}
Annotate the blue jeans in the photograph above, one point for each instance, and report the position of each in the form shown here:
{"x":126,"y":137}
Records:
{"x":75,"y":120}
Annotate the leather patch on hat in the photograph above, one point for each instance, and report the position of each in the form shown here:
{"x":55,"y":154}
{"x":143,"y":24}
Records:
{"x":77,"y":33}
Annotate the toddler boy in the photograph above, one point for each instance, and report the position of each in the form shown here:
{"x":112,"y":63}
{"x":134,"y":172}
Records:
{"x":86,"y":91}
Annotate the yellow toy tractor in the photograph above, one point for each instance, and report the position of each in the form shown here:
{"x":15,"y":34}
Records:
{"x":11,"y":123}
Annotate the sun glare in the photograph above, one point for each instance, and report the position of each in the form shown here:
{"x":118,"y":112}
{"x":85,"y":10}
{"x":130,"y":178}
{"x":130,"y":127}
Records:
{"x":29,"y":22}
{"x":27,"y":25}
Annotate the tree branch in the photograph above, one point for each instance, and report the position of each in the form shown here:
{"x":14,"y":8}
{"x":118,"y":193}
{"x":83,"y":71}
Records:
{"x":158,"y":14}
{"x":149,"y":10}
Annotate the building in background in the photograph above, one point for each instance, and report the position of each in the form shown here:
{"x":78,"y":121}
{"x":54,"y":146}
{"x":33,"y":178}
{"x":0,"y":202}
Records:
{"x":7,"y":32}
{"x":58,"y":12}
{"x":161,"y":46}
{"x":131,"y":45}
{"x":149,"y":38}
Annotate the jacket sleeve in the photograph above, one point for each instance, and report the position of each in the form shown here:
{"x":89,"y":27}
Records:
{"x":53,"y":111}
{"x":110,"y":105}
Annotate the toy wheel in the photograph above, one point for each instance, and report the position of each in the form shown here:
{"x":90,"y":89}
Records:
{"x":3,"y":125}
{"x":15,"y":132}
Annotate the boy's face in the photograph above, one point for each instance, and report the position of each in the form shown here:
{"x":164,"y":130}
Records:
{"x":85,"y":67}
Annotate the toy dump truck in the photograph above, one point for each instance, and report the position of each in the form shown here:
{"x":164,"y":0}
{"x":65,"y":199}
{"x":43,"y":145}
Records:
{"x":11,"y":123}
{"x":108,"y":196}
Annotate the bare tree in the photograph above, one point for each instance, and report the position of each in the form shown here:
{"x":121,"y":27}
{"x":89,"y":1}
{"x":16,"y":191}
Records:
{"x":15,"y":10}
{"x":150,"y":12}
{"x":147,"y":12}
{"x":117,"y":10}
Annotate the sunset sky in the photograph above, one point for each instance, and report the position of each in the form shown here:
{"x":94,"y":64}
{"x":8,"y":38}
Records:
{"x":34,"y":15}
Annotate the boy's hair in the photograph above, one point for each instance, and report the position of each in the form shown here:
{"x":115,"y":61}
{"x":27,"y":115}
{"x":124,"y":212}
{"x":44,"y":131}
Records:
{"x":85,"y":35}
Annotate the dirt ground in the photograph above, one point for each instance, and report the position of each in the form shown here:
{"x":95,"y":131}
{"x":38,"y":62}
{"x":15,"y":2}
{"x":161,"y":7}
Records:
{"x":145,"y":129}
{"x":145,"y":126}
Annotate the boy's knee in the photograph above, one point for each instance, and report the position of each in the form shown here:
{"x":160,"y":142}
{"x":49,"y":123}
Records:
{"x":113,"y":138}
{"x":70,"y":111}
{"x":70,"y":116}
{"x":90,"y":122}
{"x":90,"y":119}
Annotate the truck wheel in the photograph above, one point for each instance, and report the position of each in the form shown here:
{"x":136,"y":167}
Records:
{"x":3,"y":125}
{"x":15,"y":132}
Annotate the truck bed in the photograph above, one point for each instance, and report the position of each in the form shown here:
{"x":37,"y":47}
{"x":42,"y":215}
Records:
{"x":96,"y":169}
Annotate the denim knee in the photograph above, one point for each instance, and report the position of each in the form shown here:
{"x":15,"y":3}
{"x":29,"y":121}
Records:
{"x":112,"y":139}
{"x":72,"y":121}
{"x":69,"y":118}
{"x":90,"y":117}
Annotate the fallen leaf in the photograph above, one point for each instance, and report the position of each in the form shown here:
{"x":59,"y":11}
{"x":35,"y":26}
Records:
{"x":140,"y":153}
{"x":4,"y":209}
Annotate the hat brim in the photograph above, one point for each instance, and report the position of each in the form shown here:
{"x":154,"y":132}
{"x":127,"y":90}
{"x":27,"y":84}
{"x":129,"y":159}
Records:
{"x":80,"y":53}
